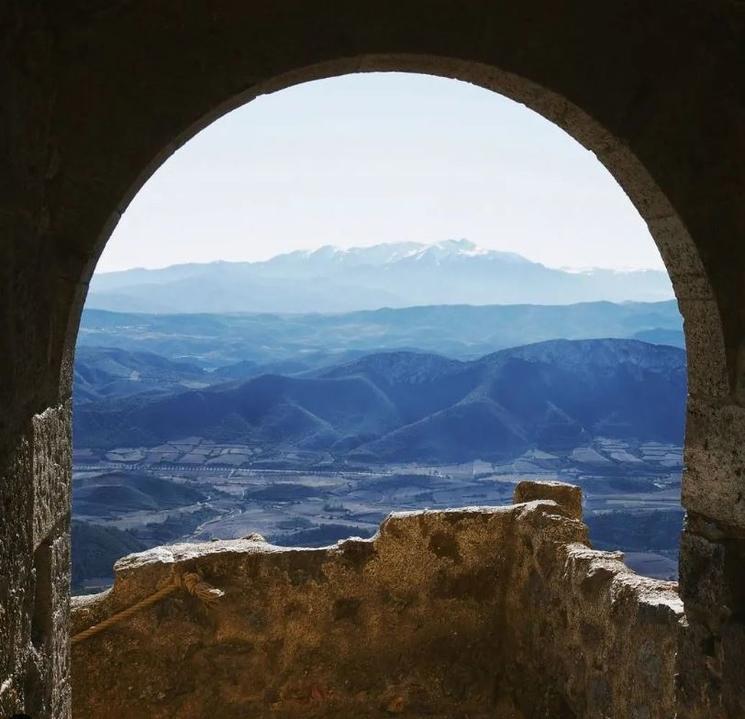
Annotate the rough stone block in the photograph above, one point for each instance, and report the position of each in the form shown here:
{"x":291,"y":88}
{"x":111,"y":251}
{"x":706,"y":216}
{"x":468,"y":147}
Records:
{"x":714,"y":476}
{"x":707,"y":359}
{"x":52,"y":460}
{"x":681,"y":258}
{"x":567,"y":495}
{"x":702,"y":575}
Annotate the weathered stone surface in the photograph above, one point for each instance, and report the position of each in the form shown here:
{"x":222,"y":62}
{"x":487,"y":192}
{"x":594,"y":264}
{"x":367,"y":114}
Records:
{"x":707,"y":365}
{"x":588,"y":637}
{"x":567,"y":495}
{"x":461,"y":613}
{"x":16,"y":575}
{"x":409,"y":621}
{"x":714,"y":476}
{"x":35,"y":562}
{"x":51,"y":471}
{"x":714,"y":593}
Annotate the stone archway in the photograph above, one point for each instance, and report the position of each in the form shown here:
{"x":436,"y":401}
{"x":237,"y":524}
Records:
{"x":679,"y":253}
{"x":101,"y":95}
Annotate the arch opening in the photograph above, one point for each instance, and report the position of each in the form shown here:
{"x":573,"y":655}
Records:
{"x":707,"y":365}
{"x":610,"y":452}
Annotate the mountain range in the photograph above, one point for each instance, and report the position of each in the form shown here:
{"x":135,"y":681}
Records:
{"x":332,"y":279}
{"x":411,"y":406}
{"x":244,"y":345}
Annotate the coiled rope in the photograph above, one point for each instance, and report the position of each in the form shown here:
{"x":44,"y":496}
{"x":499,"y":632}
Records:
{"x":190,"y":581}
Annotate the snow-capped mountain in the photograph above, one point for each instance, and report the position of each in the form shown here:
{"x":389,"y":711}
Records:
{"x":333,"y":279}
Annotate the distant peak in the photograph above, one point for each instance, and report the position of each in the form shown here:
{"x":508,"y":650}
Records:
{"x":461,"y":244}
{"x":393,"y":251}
{"x":453,"y":248}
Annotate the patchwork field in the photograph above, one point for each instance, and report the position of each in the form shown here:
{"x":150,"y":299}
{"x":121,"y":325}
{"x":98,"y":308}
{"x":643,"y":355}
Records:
{"x":176,"y":492}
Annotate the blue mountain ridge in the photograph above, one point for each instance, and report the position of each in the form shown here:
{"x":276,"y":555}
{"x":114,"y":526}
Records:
{"x":411,"y":406}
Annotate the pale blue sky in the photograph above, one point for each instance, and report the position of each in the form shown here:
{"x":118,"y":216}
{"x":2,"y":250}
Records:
{"x":383,"y":157}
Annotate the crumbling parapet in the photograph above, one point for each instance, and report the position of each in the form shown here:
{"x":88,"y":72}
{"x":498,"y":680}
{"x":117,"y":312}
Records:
{"x":494,"y":611}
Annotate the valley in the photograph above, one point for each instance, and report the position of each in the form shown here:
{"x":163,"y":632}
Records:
{"x":311,"y":428}
{"x":308,"y":503}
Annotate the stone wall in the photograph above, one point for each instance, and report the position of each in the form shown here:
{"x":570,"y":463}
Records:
{"x":35,"y":556}
{"x":500,"y":612}
{"x":588,"y":637}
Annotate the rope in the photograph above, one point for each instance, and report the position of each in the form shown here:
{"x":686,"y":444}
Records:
{"x":190,"y":581}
